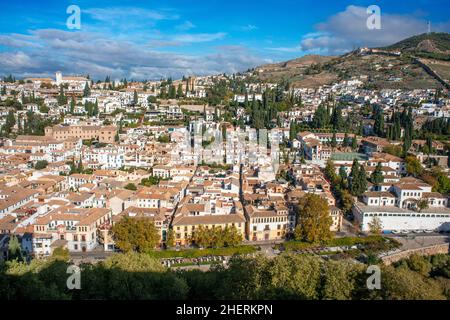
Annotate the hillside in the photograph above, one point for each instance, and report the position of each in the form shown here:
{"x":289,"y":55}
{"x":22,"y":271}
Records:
{"x":433,"y":45}
{"x":376,"y":69}
{"x":291,"y":69}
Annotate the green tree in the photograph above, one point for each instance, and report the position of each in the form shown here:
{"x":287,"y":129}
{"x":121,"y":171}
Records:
{"x":61,"y":253}
{"x":62,"y":99}
{"x":131,"y":186}
{"x":336,"y":118}
{"x":330,"y":172}
{"x":172,"y":92}
{"x":377,"y":175}
{"x":14,"y":249}
{"x":354,"y":178}
{"x":375,"y":226}
{"x":216,"y":237}
{"x":9,"y":123}
{"x":170,"y":238}
{"x":150,"y":181}
{"x":164,"y":138}
{"x":362,"y":181}
{"x":86,"y":90}
{"x":404,"y":284}
{"x":346,"y":201}
{"x":419,"y":264}
{"x":378,"y":127}
{"x":180,"y":91}
{"x":41,"y":164}
{"x":72,"y":106}
{"x":354,"y":143}
{"x":338,"y":281}
{"x":135,"y":98}
{"x":135,"y":234}
{"x":313,"y":219}
{"x":413,"y":166}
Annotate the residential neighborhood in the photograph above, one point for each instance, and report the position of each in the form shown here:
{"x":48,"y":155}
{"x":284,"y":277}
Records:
{"x":147,"y":152}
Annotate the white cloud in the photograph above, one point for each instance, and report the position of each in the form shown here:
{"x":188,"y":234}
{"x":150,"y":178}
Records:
{"x":97,"y":55}
{"x":128,"y":13}
{"x":348,"y":29}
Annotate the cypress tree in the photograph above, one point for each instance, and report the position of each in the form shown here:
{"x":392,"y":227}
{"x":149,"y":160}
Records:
{"x":362,"y":181}
{"x":377,"y":175}
{"x":354,"y":177}
{"x":87,"y":90}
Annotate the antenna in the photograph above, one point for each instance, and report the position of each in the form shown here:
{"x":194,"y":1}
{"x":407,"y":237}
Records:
{"x":429,"y":27}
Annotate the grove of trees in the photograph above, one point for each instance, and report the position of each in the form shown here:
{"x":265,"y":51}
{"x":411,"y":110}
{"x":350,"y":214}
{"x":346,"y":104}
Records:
{"x":288,"y":276}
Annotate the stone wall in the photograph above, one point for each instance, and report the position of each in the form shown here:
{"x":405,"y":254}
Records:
{"x":425,"y":251}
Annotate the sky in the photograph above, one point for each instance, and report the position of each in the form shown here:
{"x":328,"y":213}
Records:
{"x":171,"y":38}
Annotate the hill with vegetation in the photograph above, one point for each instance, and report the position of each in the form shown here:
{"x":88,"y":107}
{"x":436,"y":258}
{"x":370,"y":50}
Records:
{"x":377,"y":69}
{"x":433,"y":45}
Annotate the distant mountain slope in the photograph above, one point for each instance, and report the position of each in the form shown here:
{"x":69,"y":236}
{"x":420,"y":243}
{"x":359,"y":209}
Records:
{"x":375,"y":69}
{"x":288,"y":70}
{"x":438,"y":43}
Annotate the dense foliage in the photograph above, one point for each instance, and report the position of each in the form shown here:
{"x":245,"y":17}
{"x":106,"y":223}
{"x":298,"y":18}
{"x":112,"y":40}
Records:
{"x":138,"y":276}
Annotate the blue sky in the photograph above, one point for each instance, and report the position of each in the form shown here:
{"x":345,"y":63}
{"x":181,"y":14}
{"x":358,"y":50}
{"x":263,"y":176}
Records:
{"x":153,"y":39}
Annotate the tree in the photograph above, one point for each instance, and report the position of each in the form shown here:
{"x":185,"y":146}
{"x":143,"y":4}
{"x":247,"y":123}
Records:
{"x":378,"y":127}
{"x":333,"y":141}
{"x":320,"y":119}
{"x":180,"y":91}
{"x":86,"y":90}
{"x":375,"y":226}
{"x":135,"y":234}
{"x":9,"y":123}
{"x":135,"y":98}
{"x":346,"y":200}
{"x":14,"y":249}
{"x":131,"y":186}
{"x":354,"y":143}
{"x":330,"y":172}
{"x":164,"y":138}
{"x":41,"y":164}
{"x":336,"y":118}
{"x":422,"y":204}
{"x":150,"y":181}
{"x":404,"y":284}
{"x":62,"y":99}
{"x":354,"y":175}
{"x":362,"y":181}
{"x":413,"y":166}
{"x":172,"y":92}
{"x":72,"y":106}
{"x":216,"y":237}
{"x":377,"y":175}
{"x":170,"y":238}
{"x":338,"y":281}
{"x":61,"y":253}
{"x":419,"y":264}
{"x":313,"y":219}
